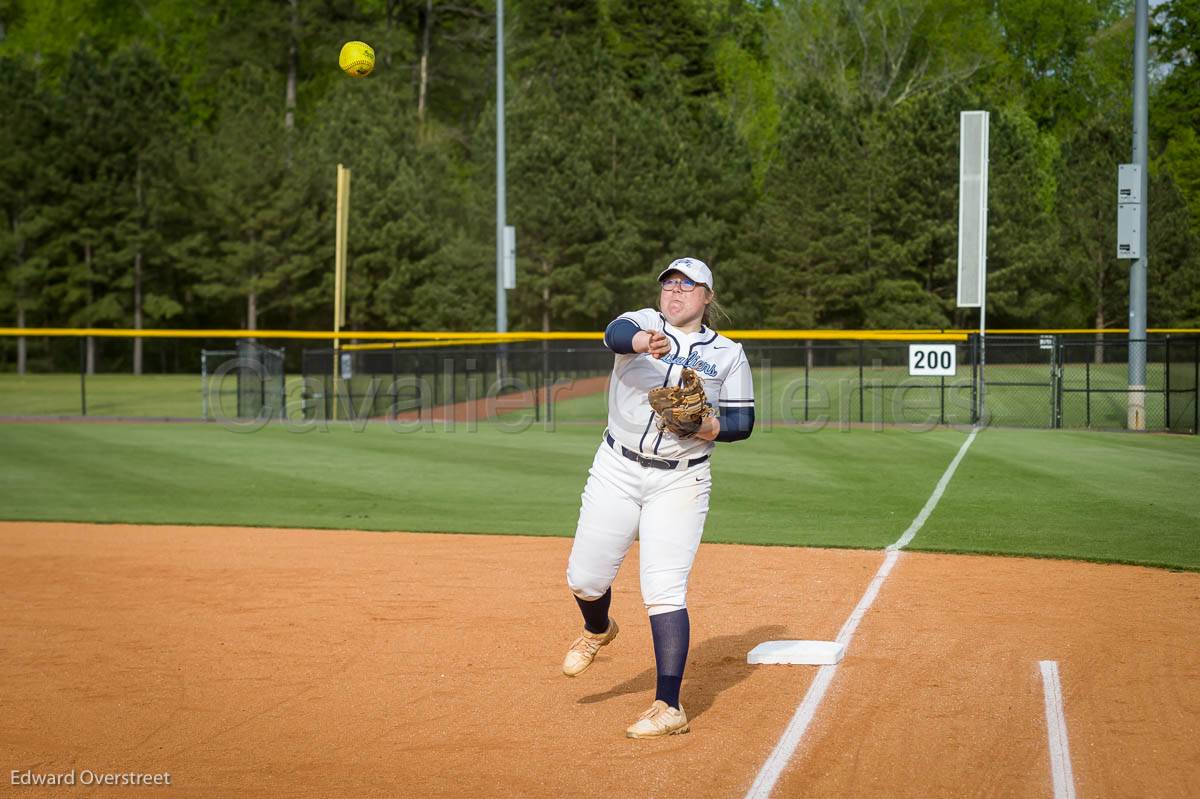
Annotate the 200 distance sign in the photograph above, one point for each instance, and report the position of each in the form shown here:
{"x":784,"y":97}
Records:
{"x":932,"y":360}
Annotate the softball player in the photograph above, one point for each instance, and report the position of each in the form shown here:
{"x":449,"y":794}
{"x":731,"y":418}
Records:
{"x":654,"y":485}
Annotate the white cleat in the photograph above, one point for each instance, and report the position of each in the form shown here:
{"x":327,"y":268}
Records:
{"x":583,"y":651}
{"x":661,"y":719}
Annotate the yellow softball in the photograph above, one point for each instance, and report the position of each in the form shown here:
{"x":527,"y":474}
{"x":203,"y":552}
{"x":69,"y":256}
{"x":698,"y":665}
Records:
{"x":357,"y":59}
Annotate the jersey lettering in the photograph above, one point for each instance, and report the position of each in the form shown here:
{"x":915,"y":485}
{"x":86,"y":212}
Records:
{"x":692,"y":361}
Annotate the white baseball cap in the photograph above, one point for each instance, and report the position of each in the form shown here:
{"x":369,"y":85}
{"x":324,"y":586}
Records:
{"x":694,"y":268}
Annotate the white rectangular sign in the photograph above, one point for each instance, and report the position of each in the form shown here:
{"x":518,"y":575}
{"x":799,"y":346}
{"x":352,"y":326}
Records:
{"x":932,"y":360}
{"x":1129,"y":183}
{"x":972,"y":208}
{"x":510,"y":257}
{"x":1128,"y":241}
{"x":1129,"y":211}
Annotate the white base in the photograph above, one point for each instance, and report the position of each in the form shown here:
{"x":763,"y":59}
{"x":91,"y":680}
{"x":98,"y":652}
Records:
{"x":807,"y":653}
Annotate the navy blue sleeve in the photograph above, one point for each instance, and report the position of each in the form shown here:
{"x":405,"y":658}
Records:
{"x":618,"y":336}
{"x":736,"y":423}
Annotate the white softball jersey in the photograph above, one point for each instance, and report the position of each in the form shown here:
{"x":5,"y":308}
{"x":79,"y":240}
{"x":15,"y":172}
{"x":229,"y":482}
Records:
{"x":660,"y":498}
{"x":718,"y":361}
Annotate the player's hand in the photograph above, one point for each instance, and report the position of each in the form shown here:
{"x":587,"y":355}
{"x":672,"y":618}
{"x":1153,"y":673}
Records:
{"x":653,"y":342}
{"x":710,"y":428}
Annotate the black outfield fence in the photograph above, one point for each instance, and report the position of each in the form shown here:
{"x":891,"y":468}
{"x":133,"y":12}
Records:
{"x":1181,"y":389}
{"x":1085,"y":381}
{"x":386,"y":382}
{"x":1038,"y":381}
{"x":863,"y":381}
{"x":1048,"y":380}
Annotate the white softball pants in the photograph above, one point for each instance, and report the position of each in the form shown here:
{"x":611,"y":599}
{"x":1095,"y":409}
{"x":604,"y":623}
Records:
{"x":624,"y":500}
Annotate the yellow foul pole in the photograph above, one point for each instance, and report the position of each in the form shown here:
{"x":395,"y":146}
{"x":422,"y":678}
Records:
{"x":342,"y":226}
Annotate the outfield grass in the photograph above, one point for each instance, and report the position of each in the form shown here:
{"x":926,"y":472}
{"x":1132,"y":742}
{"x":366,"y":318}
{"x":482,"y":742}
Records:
{"x":1102,"y":496}
{"x":175,"y":396}
{"x":172,"y":396}
{"x":793,"y":488}
{"x":1098,"y":496}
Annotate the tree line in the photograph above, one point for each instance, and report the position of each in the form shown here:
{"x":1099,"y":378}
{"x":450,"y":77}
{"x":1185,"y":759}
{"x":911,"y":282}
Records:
{"x":171,"y":164}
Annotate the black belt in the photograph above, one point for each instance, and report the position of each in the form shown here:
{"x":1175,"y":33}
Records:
{"x":653,"y":463}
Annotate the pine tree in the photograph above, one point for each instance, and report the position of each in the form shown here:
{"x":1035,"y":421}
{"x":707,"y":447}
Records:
{"x":28,"y":189}
{"x":805,"y":258}
{"x":259,"y":222}
{"x":1092,"y":282}
{"x":651,"y":37}
{"x":1023,"y":235}
{"x":915,"y":220}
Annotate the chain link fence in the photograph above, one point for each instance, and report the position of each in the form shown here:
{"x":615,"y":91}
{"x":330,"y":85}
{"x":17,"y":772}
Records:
{"x":1039,"y":381}
{"x":1182,"y":384}
{"x":1062,"y":381}
{"x":397,"y":380}
{"x":858,"y":382}
{"x":119,"y":377}
{"x":1036,"y":381}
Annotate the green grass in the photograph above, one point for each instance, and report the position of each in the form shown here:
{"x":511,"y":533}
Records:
{"x":175,"y":396}
{"x":782,"y":491}
{"x":1098,"y":496}
{"x":172,"y":396}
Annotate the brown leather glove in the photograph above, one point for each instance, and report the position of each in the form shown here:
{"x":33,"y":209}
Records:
{"x":681,"y":409}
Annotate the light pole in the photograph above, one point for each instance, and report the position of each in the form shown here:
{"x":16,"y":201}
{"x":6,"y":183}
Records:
{"x":1137,"y":272}
{"x":501,"y":188}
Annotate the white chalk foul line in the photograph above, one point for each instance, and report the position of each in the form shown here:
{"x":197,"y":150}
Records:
{"x":775,"y":763}
{"x":940,"y":489}
{"x":782,"y":753}
{"x":1056,"y":731}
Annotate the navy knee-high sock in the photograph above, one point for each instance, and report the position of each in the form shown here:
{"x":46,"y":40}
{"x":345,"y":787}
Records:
{"x":595,"y":612}
{"x":671,"y":632}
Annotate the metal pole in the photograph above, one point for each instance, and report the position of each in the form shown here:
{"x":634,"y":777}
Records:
{"x":861,"y":356}
{"x":982,"y":343}
{"x":1167,"y":378}
{"x":501,"y":189}
{"x":807,"y":358}
{"x":974,"y":380}
{"x":942,"y":395}
{"x":82,"y":377}
{"x":1057,"y":376}
{"x":1087,"y":389}
{"x":983,"y":279}
{"x":262,"y":381}
{"x":396,"y":391}
{"x":1137,"y":273}
{"x":1053,"y":391}
{"x":204,"y":382}
{"x":544,"y":392}
{"x":283,"y":382}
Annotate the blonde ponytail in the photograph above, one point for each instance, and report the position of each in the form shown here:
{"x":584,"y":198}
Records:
{"x":714,"y":311}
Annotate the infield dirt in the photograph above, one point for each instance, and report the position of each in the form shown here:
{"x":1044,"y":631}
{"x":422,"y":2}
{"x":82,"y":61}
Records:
{"x":255,"y":662}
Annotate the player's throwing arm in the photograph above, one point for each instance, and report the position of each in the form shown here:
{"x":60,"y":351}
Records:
{"x":678,"y":387}
{"x":653,"y":342}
